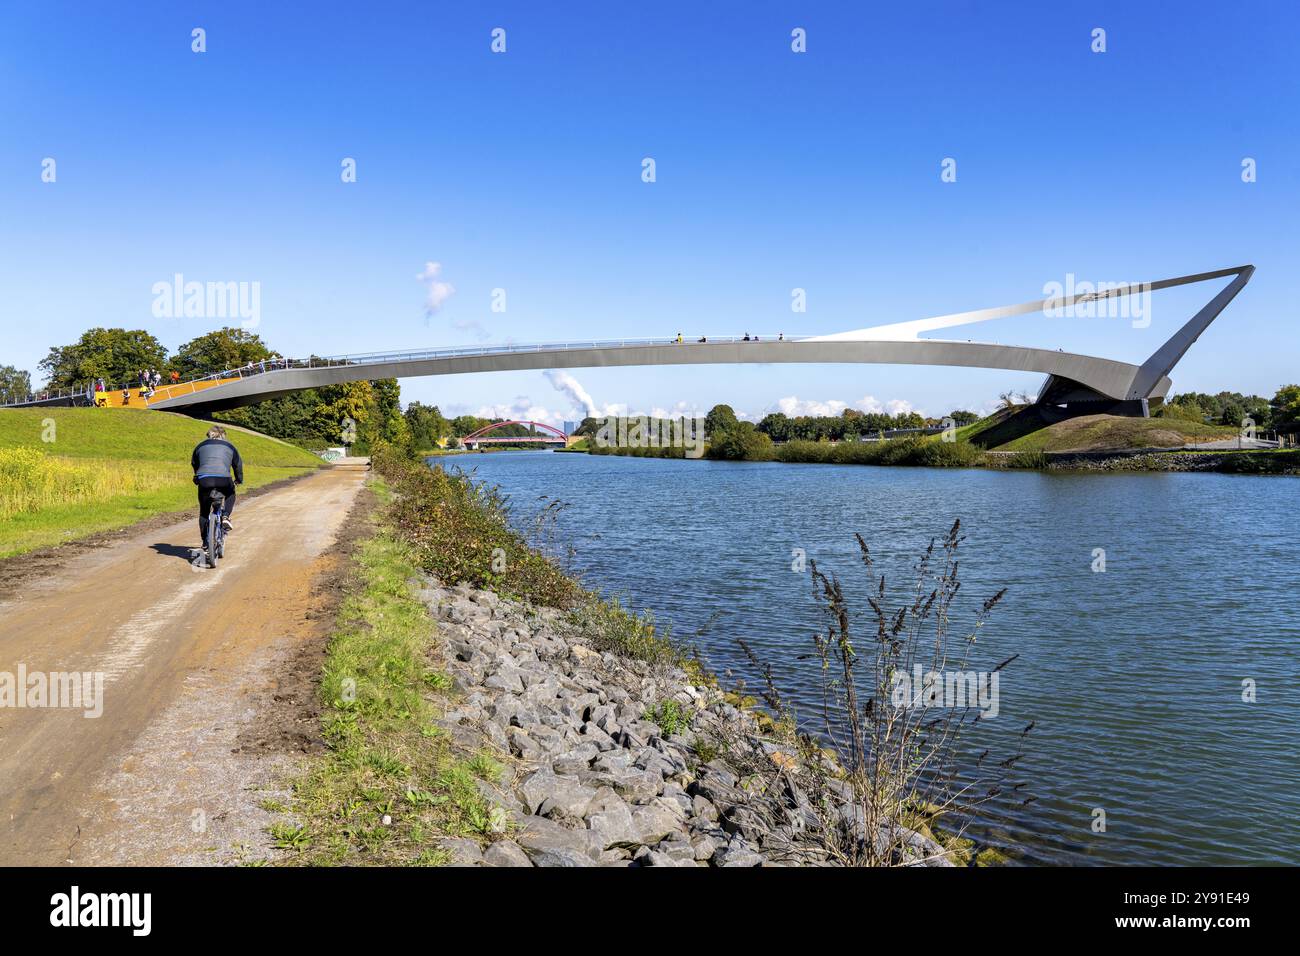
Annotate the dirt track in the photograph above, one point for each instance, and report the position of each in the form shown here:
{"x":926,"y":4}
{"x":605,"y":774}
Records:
{"x":195,"y":666}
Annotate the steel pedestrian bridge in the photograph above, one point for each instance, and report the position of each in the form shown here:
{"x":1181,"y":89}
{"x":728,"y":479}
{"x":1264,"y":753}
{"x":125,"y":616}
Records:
{"x":1081,"y":383}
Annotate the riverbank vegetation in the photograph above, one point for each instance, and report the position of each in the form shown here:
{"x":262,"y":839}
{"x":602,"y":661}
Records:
{"x":897,"y":750}
{"x":928,"y":452}
{"x":459,"y":531}
{"x":66,"y":473}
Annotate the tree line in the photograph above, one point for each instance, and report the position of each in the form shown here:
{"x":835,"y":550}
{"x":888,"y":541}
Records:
{"x":1281,"y":412}
{"x":352,"y":413}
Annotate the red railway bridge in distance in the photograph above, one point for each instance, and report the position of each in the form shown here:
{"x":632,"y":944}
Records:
{"x":550,"y":435}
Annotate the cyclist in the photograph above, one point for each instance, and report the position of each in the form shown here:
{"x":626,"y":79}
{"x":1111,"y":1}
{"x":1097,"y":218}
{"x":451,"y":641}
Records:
{"x":213,"y":461}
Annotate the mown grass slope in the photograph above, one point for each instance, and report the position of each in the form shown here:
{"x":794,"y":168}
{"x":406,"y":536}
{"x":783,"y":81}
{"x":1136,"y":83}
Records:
{"x":66,"y":473}
{"x":1112,"y":432}
{"x":1023,"y":428}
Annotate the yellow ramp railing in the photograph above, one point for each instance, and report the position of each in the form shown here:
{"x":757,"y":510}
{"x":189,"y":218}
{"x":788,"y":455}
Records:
{"x":135,"y":397}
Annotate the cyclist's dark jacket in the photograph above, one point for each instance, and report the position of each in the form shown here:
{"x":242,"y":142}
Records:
{"x":215,"y":458}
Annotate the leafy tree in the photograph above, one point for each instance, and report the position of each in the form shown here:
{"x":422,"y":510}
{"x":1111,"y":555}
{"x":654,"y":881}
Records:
{"x":345,"y":414}
{"x":316,"y":417}
{"x":1285,"y":408}
{"x":743,"y":441}
{"x":385,"y":421}
{"x":961,"y":417}
{"x":720,"y":419}
{"x":777,"y":426}
{"x":14,"y":382}
{"x":462,"y":425}
{"x":116,"y":355}
{"x":909,"y":420}
{"x":218,"y":351}
{"x":426,"y":424}
{"x":1183,"y":411}
{"x":1259,"y":409}
{"x":1231,"y":413}
{"x":288,"y":417}
{"x":1225,"y":408}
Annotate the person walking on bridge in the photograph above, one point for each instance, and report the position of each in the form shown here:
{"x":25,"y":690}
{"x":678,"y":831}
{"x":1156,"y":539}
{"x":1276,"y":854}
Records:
{"x":213,"y":461}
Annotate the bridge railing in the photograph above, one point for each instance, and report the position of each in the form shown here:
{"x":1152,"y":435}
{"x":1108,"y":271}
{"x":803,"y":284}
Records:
{"x":44,"y":396}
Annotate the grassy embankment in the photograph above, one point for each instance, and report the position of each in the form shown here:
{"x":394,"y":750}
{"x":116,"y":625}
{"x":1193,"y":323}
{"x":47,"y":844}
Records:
{"x":392,"y":782}
{"x":1113,"y":433}
{"x":66,"y":473}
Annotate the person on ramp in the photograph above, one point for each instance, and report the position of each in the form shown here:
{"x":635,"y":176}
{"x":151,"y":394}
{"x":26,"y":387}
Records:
{"x":214,"y":461}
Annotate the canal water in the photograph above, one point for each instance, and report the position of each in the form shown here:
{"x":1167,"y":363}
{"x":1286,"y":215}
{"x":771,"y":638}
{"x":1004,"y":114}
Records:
{"x":1134,"y":676}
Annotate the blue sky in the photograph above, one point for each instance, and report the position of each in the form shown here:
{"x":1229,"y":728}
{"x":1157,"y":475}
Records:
{"x":775,"y":170}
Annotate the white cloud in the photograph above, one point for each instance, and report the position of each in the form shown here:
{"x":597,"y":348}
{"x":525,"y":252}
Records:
{"x":793,"y":406}
{"x":677,"y":411}
{"x":522,"y":409}
{"x":438,"y":291}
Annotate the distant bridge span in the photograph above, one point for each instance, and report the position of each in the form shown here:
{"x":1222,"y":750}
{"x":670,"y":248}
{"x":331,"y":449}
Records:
{"x":1083,"y":381}
{"x":550,"y":435}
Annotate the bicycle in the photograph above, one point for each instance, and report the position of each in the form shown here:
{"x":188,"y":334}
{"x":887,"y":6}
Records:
{"x":216,"y":548}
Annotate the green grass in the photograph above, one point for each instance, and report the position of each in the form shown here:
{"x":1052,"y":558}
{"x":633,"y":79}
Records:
{"x":104,"y":442}
{"x":1004,"y":425}
{"x":460,"y":531}
{"x":671,"y":716}
{"x":385,"y":757}
{"x":1033,"y":459}
{"x":137,"y":434}
{"x":1112,"y":432}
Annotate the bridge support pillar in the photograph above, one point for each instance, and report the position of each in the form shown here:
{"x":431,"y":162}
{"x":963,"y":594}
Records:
{"x":1062,"y":398}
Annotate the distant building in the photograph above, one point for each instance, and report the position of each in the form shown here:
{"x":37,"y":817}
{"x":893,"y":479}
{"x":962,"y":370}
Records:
{"x":570,"y":427}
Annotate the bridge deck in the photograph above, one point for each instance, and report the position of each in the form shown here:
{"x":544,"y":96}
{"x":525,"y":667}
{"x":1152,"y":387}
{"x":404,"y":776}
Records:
{"x":893,"y":345}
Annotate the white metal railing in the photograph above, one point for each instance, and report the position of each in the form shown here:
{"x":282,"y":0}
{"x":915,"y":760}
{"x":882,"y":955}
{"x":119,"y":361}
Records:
{"x":45,"y":395}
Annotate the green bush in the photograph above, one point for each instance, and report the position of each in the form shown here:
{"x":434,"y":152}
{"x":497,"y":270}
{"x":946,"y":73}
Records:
{"x":740,"y":442}
{"x":1181,"y":412}
{"x":671,"y":716}
{"x":1260,"y":463}
{"x":611,"y":627}
{"x":1033,"y":458}
{"x":898,"y":451}
{"x":946,"y":454}
{"x":460,"y":531}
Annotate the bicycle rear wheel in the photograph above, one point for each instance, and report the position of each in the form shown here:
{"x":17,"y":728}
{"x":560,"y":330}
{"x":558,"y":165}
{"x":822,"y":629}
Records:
{"x":214,"y":539}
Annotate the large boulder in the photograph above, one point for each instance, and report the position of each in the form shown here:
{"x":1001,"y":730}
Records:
{"x":549,"y":844}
